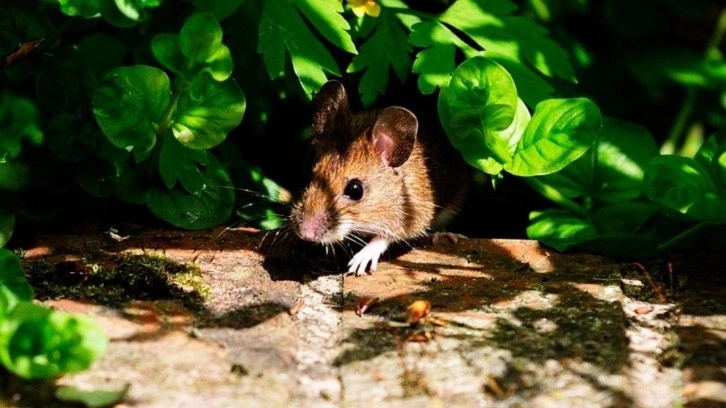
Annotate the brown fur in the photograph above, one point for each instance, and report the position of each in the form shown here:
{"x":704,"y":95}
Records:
{"x":398,"y":203}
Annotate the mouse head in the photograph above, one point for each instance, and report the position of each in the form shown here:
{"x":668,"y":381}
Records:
{"x":357,"y":178}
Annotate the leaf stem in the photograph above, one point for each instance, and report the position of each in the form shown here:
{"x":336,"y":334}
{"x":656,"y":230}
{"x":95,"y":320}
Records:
{"x":554,"y":195}
{"x":682,"y":236}
{"x":166,"y":118}
{"x":712,"y":53}
{"x":679,"y":124}
{"x":717,"y":37}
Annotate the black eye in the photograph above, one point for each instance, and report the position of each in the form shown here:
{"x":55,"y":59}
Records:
{"x":354,"y":190}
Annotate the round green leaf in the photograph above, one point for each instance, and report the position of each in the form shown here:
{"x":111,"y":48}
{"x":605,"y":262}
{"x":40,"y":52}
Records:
{"x":129,"y":104}
{"x":12,"y":279}
{"x":626,"y":217}
{"x":561,"y":130}
{"x":208,"y":112}
{"x":165,"y":48}
{"x":36,"y":342}
{"x":209,"y":207}
{"x":14,"y":175}
{"x":83,"y":8}
{"x":98,"y":177}
{"x":200,"y":41}
{"x":62,"y":136}
{"x":559,"y":229}
{"x":177,"y":162}
{"x":622,"y":151}
{"x":477,"y":111}
{"x":200,"y":36}
{"x":684,"y":185}
{"x":7,"y":224}
{"x":18,"y":122}
{"x":127,"y":13}
{"x":474,"y":152}
{"x":482,"y":97}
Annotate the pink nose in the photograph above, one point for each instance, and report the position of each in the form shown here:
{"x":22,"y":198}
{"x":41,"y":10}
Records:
{"x":313,"y":227}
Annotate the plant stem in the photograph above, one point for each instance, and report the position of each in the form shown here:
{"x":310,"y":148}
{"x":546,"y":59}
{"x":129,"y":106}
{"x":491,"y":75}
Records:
{"x":711,"y":53}
{"x":717,"y":36}
{"x":555,"y":196}
{"x":166,"y":118}
{"x":682,"y":236}
{"x":669,"y":146}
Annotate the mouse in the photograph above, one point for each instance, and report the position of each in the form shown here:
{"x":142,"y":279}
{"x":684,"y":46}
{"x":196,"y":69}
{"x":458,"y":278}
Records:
{"x":377,"y":179}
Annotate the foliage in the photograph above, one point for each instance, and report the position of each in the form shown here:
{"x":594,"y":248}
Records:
{"x":37,"y":342}
{"x":155,"y":103}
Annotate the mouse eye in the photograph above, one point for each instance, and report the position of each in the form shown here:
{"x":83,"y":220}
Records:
{"x":354,"y":190}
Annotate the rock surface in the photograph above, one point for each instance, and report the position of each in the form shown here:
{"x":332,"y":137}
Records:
{"x":510,"y":324}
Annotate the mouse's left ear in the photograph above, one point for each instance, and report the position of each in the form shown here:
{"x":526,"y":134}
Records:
{"x":394,"y":135}
{"x":330,"y":108}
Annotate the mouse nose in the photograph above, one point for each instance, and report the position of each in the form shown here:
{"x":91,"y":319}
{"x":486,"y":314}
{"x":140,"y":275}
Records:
{"x":314,"y":226}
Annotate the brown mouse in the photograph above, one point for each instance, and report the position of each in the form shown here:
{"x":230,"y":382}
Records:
{"x":375,"y":175}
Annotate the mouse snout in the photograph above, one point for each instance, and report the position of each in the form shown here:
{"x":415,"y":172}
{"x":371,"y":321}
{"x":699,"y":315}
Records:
{"x":313,"y":227}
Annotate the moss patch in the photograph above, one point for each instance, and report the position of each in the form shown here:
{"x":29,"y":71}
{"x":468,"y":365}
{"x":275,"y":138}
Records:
{"x":127,"y":277}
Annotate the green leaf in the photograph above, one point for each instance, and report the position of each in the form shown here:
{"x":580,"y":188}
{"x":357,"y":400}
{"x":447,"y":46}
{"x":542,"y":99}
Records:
{"x":165,"y":48}
{"x":616,"y":230}
{"x":474,"y":152}
{"x":91,"y":399}
{"x":36,"y":342}
{"x":63,"y":140}
{"x":437,"y":62}
{"x":83,"y":8}
{"x":559,"y":229}
{"x":98,"y":177}
{"x":129,"y":104}
{"x":385,"y":49}
{"x":209,"y":207}
{"x":684,"y":185}
{"x":515,"y":39}
{"x":19,"y":119}
{"x":615,"y":173}
{"x":15,"y":288}
{"x":712,"y":156}
{"x":127,"y":13}
{"x":561,"y":130}
{"x":7,"y":224}
{"x":283,"y":32}
{"x":326,"y":16}
{"x":208,"y":112}
{"x":200,"y":40}
{"x":179,"y":163}
{"x":220,"y":8}
{"x":478,"y":111}
{"x":101,"y":53}
{"x":626,"y":217}
{"x":197,"y":48}
{"x":14,"y":175}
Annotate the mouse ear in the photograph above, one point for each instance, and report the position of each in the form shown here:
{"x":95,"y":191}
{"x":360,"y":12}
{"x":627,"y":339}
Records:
{"x":330,"y":107}
{"x":394,"y":135}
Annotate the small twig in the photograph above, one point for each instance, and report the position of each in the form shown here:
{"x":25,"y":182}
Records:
{"x":656,"y":289}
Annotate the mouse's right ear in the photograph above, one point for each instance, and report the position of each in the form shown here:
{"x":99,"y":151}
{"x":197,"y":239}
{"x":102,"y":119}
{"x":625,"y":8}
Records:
{"x":330,"y":108}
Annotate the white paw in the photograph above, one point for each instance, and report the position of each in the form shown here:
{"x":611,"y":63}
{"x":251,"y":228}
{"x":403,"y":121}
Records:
{"x":368,"y":255}
{"x":450,"y":236}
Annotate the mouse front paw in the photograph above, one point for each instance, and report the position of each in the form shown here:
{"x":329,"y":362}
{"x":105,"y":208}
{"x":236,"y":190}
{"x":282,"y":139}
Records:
{"x":453,"y":237}
{"x":368,"y":255}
